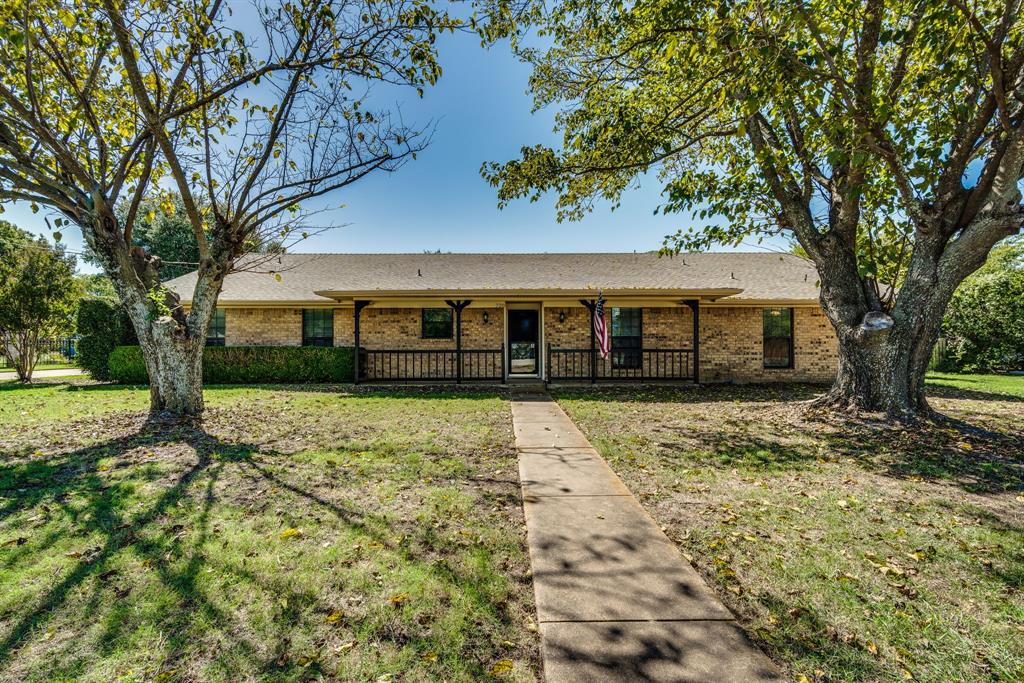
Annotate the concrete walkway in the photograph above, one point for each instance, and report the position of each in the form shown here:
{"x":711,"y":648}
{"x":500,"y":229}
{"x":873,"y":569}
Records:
{"x":616,"y":601}
{"x":39,"y":374}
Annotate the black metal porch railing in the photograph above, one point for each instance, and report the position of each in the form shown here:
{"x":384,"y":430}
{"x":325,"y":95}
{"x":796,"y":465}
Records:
{"x":626,"y":364}
{"x":51,"y":352}
{"x":410,"y":365}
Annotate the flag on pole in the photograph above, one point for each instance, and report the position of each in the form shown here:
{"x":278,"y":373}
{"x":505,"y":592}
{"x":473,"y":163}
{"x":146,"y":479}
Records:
{"x":604,"y":343}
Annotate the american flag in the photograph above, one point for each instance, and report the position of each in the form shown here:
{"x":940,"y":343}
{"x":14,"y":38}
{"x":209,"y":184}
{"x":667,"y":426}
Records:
{"x":600,"y":329}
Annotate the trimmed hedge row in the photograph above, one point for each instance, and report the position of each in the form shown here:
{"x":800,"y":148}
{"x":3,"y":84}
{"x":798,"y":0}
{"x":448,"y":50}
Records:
{"x":249,"y":365}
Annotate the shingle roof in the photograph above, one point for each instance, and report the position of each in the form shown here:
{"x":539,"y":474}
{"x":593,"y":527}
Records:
{"x":309,"y":278}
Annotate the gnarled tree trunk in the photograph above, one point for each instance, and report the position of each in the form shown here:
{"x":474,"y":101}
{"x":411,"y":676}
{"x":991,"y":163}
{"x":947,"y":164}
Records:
{"x":883,"y":356}
{"x":172,"y":342}
{"x":882,"y":365}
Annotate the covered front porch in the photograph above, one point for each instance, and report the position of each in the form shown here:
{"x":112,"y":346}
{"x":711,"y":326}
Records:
{"x":505,"y":340}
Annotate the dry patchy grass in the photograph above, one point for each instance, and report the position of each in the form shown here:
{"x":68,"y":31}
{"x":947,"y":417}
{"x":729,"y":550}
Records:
{"x":851,"y":552}
{"x":294,"y":535}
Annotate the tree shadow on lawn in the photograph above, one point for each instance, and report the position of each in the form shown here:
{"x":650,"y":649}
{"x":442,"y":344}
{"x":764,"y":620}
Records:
{"x":767,"y":432}
{"x":807,"y":636}
{"x":75,"y":474}
{"x":690,"y":394}
{"x":72,"y":483}
{"x":937,"y":389}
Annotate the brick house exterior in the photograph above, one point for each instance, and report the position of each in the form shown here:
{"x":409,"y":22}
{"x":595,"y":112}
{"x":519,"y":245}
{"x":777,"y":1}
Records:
{"x":490,"y":316}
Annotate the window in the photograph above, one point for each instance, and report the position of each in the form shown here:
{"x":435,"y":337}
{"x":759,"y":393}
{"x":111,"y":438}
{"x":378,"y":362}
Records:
{"x":215,"y":333}
{"x":778,"y":337}
{"x":627,"y":337}
{"x":317,"y":327}
{"x":437,"y":323}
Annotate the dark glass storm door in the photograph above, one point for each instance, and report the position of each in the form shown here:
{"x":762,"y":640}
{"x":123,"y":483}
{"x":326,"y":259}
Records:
{"x":522,"y":342}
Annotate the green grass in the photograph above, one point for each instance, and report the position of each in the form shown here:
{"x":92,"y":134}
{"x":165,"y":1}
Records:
{"x":1009,"y":385}
{"x":299,"y":534}
{"x":850,"y":551}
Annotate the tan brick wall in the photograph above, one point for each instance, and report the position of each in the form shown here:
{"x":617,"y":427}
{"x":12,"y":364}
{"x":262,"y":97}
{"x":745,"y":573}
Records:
{"x":732,"y":346}
{"x":663,"y":328}
{"x":731,"y":341}
{"x":574,"y":333}
{"x":402,"y":328}
{"x":263,"y":327}
{"x":669,"y":328}
{"x":344,"y":326}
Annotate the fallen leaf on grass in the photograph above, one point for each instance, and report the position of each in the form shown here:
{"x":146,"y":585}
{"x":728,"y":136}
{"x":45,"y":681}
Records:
{"x":502,"y":666}
{"x":333,"y":617}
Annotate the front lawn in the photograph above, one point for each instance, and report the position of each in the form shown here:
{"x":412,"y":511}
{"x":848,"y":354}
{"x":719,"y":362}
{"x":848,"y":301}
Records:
{"x":849,"y":552}
{"x":1009,"y":385}
{"x":300,"y":534}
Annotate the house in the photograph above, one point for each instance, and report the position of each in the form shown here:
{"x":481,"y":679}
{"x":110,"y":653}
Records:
{"x":708,"y":317}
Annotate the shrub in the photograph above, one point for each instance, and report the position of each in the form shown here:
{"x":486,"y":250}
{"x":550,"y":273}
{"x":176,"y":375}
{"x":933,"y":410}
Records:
{"x":249,"y":365}
{"x":984,"y":324}
{"x":125,"y":366}
{"x":102,"y":326}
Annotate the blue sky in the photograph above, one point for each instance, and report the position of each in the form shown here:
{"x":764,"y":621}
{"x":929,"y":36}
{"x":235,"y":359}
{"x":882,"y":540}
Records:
{"x":482,"y":113}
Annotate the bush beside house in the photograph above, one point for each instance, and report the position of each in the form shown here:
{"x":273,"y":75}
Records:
{"x":249,"y":365}
{"x":102,"y":326}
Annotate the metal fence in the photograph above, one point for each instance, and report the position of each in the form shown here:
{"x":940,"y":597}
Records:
{"x":410,"y":365}
{"x":625,"y":364}
{"x":51,"y":352}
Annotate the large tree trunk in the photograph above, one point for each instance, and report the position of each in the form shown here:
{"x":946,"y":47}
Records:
{"x":883,"y":357}
{"x":175,"y":366}
{"x":172,"y":342}
{"x":882,"y":367}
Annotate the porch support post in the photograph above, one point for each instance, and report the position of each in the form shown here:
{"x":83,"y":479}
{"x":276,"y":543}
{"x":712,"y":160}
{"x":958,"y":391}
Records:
{"x":457,"y":306}
{"x":694,"y":305}
{"x":591,"y":305}
{"x":359,"y":306}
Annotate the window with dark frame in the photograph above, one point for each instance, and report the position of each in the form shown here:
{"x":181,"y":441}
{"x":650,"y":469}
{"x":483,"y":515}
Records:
{"x":437,"y":323}
{"x":778,"y":338}
{"x":627,"y":338}
{"x":215,"y":334}
{"x":317,"y":327}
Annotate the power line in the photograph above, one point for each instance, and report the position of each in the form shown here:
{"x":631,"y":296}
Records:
{"x":37,"y":247}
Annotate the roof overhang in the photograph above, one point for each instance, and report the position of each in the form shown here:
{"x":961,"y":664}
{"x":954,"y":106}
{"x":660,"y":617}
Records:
{"x":498,"y":295}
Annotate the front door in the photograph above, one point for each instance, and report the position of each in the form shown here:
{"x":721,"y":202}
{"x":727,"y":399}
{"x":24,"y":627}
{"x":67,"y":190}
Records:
{"x":523,"y":342}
